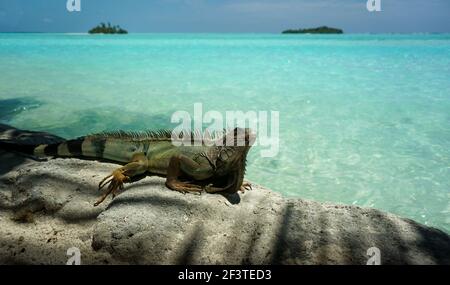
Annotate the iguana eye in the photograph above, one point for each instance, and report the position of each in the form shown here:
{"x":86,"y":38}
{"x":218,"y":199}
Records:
{"x":132,"y":149}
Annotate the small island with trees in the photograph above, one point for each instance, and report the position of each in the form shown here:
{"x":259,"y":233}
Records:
{"x":107,"y":29}
{"x":319,"y":30}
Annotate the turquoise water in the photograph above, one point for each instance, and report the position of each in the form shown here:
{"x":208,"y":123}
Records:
{"x":364,"y":119}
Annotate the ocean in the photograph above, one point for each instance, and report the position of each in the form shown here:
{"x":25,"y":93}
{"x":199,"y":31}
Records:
{"x":363,"y":119}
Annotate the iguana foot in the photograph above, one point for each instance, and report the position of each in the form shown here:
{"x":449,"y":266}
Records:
{"x":115,"y":181}
{"x":184,"y":187}
{"x":246,"y":186}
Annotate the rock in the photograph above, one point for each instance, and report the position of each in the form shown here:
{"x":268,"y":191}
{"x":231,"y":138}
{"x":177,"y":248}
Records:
{"x":10,"y":134}
{"x":47,"y":208}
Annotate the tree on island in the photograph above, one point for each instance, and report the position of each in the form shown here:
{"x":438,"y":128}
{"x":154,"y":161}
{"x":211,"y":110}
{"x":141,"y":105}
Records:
{"x":319,"y":30}
{"x":107,"y":29}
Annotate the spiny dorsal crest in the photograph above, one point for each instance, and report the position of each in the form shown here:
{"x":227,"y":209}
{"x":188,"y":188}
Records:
{"x":161,"y":135}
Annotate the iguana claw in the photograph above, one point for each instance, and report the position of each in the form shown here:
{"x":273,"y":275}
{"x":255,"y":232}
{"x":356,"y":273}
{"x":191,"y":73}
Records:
{"x":246,"y":186}
{"x":115,"y":181}
{"x":184,"y":187}
{"x":207,"y":188}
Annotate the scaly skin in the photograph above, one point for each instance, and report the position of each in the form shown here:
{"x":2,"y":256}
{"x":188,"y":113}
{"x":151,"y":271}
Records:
{"x":207,"y":165}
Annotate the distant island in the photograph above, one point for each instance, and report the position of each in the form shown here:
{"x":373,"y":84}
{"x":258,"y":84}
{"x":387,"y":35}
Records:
{"x":107,"y":29}
{"x":319,"y":30}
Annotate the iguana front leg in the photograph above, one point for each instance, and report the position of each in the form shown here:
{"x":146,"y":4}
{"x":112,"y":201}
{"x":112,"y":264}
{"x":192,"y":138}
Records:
{"x":137,"y":166}
{"x":180,"y":164}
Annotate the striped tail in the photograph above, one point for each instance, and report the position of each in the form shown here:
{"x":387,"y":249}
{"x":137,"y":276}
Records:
{"x":98,"y":146}
{"x":69,"y":148}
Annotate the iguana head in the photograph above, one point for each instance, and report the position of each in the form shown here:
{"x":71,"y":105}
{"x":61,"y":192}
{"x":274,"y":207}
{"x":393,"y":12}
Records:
{"x":233,"y":152}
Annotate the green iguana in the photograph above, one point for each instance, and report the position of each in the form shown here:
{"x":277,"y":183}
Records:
{"x":211,"y":165}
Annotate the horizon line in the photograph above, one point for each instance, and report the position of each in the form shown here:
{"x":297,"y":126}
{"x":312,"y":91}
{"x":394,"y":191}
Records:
{"x":272,"y":33}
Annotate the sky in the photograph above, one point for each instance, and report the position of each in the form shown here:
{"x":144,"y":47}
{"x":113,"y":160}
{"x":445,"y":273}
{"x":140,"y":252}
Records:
{"x":226,"y":16}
